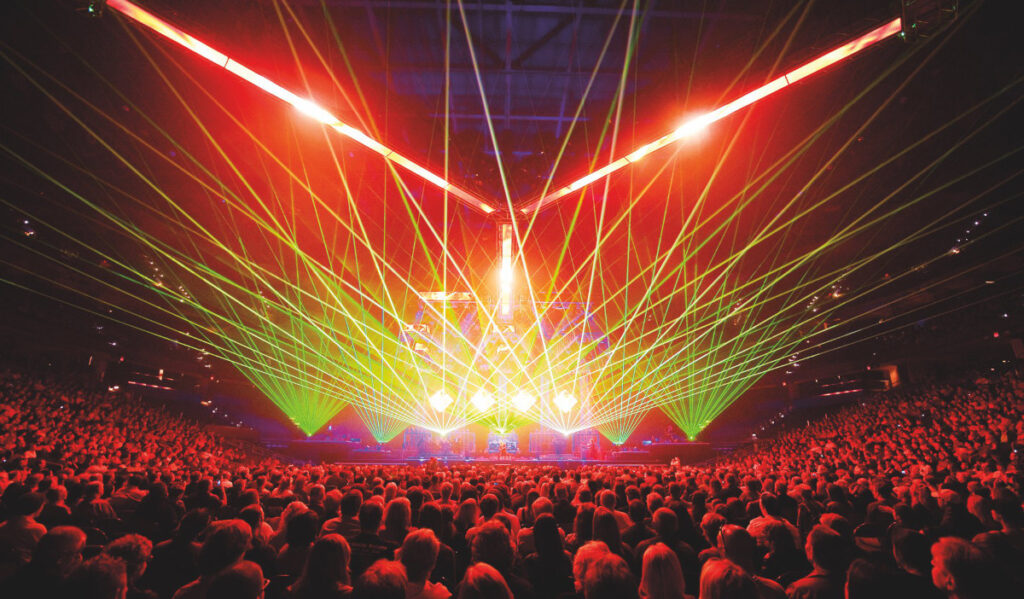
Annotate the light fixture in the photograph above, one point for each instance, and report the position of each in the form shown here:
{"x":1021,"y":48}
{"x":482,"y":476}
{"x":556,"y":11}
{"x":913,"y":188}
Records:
{"x":305,"y":106}
{"x":482,"y":401}
{"x":523,"y":401}
{"x":696,"y":125}
{"x":440,"y":401}
{"x":564,"y":401}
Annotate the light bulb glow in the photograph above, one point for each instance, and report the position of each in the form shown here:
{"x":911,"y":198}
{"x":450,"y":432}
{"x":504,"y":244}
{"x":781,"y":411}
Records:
{"x":564,"y":401}
{"x":697,"y":125}
{"x":440,"y":401}
{"x":482,"y":401}
{"x":303,"y":105}
{"x":523,"y":401}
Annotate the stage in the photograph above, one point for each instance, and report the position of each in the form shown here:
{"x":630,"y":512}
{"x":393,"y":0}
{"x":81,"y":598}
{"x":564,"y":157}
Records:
{"x":358,"y":453}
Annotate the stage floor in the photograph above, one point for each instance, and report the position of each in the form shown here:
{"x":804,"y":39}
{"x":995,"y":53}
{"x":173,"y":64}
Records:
{"x":568,"y":462}
{"x":342,"y":453}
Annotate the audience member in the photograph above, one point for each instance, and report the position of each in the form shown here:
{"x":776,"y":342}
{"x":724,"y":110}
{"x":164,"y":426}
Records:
{"x":224,"y":547}
{"x":382,"y":580}
{"x":609,"y":577}
{"x":483,"y":582}
{"x":419,"y":555}
{"x":135,"y":551}
{"x":100,"y":577}
{"x":549,"y":567}
{"x":662,"y":576}
{"x":243,"y":580}
{"x":368,"y":546}
{"x":827,"y":552}
{"x":722,"y":579}
{"x":962,"y":571}
{"x":325,"y":574}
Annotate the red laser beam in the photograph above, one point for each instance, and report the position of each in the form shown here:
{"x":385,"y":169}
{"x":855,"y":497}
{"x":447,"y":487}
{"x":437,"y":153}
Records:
{"x":303,"y":105}
{"x":701,"y":122}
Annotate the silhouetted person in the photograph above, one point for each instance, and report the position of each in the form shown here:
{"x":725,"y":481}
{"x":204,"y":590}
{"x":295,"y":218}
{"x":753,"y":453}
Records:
{"x":962,"y":571}
{"x":827,"y":551}
{"x":135,"y":551}
{"x":482,"y":581}
{"x":549,"y":567}
{"x":243,"y":580}
{"x":722,"y":579}
{"x":418,"y":554}
{"x":609,"y":578}
{"x":101,"y":577}
{"x":326,"y":572}
{"x":662,"y":577}
{"x":224,"y":547}
{"x":382,"y":580}
{"x":56,"y":556}
{"x":368,"y":546}
{"x":175,"y":561}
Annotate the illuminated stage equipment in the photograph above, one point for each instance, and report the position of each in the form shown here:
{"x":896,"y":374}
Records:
{"x":505,"y":372}
{"x":482,"y":401}
{"x":687,"y":129}
{"x":696,"y":124}
{"x":919,"y":17}
{"x":440,"y":401}
{"x":303,"y":105}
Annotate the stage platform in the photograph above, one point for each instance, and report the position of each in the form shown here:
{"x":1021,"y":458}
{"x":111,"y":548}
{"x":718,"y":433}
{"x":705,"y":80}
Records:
{"x":351,"y":453}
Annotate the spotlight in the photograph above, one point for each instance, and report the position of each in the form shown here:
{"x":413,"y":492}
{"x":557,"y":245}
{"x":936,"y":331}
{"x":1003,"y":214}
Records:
{"x":482,"y":401}
{"x":693,"y":127}
{"x":523,"y":401}
{"x":440,"y":401}
{"x":564,"y":401}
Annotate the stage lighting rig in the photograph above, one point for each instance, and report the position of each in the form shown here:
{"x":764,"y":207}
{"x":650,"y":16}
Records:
{"x":920,"y":18}
{"x":505,"y":276}
{"x":523,"y":401}
{"x":697,"y":124}
{"x":440,"y":401}
{"x":306,"y":106}
{"x":564,"y":401}
{"x":482,"y":401}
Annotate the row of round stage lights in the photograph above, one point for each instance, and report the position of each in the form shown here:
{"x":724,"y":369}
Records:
{"x":483,"y":401}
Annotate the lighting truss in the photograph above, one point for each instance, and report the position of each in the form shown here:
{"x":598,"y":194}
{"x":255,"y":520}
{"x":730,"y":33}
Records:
{"x":697,"y":124}
{"x":303,"y":105}
{"x":311,"y":109}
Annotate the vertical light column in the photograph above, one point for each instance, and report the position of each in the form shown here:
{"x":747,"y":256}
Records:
{"x":505,"y":274}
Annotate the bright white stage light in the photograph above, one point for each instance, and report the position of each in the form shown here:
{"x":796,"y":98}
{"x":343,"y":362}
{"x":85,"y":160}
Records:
{"x":440,"y":401}
{"x":482,"y":401}
{"x":693,"y":127}
{"x":523,"y":401}
{"x":564,"y":401}
{"x":303,"y":105}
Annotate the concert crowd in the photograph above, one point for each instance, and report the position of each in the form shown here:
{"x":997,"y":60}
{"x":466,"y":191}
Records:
{"x":912,"y":493}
